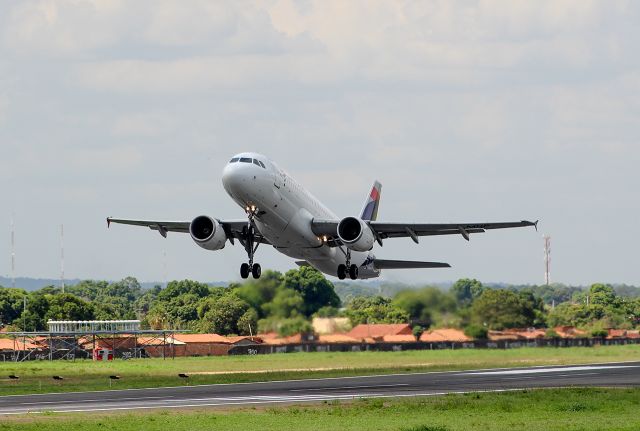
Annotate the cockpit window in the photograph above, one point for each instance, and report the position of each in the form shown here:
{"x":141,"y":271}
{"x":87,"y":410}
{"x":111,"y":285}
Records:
{"x":262,"y":164}
{"x":245,"y":159}
{"x":235,"y":159}
{"x":256,"y":162}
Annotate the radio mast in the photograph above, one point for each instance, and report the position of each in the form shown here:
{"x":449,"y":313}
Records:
{"x":62,"y":256}
{"x":13,"y":252}
{"x":547,"y":259}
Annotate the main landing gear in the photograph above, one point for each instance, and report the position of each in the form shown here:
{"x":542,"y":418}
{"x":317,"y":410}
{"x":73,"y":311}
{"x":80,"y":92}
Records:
{"x":350,"y":269}
{"x":250,"y":245}
{"x":246,"y":268}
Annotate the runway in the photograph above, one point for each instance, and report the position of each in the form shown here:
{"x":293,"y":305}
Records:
{"x":316,"y":390}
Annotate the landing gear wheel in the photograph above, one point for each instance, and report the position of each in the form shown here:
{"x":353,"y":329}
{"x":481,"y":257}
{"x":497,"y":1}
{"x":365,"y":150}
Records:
{"x":353,"y":272}
{"x":251,"y":244}
{"x":244,"y":270}
{"x":256,"y":270}
{"x":342,"y":272}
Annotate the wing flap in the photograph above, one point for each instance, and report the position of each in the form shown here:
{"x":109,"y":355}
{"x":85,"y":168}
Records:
{"x":407,"y":264}
{"x":384,"y":227}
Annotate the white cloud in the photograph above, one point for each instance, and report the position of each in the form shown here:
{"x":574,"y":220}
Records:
{"x":66,"y":28}
{"x":481,"y":109}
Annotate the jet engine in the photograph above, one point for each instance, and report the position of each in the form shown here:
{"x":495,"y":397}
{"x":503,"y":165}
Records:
{"x":355,"y":234}
{"x":208,"y":233}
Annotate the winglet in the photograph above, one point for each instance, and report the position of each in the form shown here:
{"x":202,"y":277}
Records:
{"x":536,"y":225}
{"x":108,"y":222}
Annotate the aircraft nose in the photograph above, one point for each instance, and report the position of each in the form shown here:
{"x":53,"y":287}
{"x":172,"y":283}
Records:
{"x":230,"y":176}
{"x":235,"y":176}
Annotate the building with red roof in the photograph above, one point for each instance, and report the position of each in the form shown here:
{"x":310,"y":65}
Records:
{"x":444,"y":335}
{"x":377,"y":331}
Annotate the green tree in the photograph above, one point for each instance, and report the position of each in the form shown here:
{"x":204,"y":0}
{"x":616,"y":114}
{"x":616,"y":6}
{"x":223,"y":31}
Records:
{"x":11,"y":304}
{"x":316,"y":290}
{"x":248,"y":322}
{"x":375,"y":310}
{"x":327,"y":311}
{"x":66,"y":306}
{"x":34,"y":317}
{"x":501,"y":309}
{"x":259,"y":292}
{"x":425,"y":306}
{"x":143,"y":304}
{"x":466,"y":291}
{"x":477,"y":332}
{"x":285,"y":327}
{"x":178,"y":302}
{"x":599,"y":306}
{"x":417,"y":331}
{"x":286,"y":303}
{"x":223,"y":314}
{"x":603,"y":294}
{"x":184,"y":287}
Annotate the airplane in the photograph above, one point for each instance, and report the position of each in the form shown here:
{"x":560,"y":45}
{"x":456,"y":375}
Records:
{"x":281,"y":213}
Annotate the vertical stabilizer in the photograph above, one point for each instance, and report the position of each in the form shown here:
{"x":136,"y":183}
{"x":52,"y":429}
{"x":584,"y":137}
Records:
{"x":370,"y":210}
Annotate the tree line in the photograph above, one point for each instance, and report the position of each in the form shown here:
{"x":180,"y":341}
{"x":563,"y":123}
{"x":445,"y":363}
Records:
{"x":286,"y":303}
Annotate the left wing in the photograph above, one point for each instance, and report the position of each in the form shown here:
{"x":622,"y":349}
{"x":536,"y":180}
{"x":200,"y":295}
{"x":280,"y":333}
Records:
{"x":161,"y":226}
{"x":234,"y":229}
{"x":384,"y":230}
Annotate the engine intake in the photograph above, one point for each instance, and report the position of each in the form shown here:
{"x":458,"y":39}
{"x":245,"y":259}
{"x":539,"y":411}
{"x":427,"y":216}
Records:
{"x":355,"y":234}
{"x":207,"y":233}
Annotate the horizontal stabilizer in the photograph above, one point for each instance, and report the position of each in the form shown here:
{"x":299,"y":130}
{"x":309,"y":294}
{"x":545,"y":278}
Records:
{"x":407,"y":264}
{"x":302,"y":263}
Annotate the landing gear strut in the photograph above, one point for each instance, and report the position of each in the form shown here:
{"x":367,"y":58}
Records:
{"x":250,"y":245}
{"x":349,"y":268}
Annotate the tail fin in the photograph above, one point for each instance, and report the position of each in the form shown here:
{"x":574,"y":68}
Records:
{"x":370,"y":210}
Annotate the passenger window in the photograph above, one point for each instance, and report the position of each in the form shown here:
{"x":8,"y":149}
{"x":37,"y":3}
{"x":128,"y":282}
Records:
{"x":245,"y":159}
{"x":256,"y":162}
{"x":235,"y":159}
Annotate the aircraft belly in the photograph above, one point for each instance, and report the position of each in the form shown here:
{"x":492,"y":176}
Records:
{"x":329,"y":263}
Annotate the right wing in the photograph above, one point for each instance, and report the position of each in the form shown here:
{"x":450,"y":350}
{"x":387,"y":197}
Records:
{"x":383,"y":230}
{"x":234,"y":229}
{"x":413,"y":230}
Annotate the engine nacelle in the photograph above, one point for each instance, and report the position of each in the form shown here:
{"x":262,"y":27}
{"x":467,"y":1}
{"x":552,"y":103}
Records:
{"x":355,"y":234}
{"x":207,"y":233}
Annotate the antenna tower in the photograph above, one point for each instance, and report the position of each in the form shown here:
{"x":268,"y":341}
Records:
{"x":547,"y":259}
{"x":62,"y":257}
{"x":13,"y":253}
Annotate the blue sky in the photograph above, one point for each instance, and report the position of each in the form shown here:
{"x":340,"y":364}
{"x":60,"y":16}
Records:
{"x":467,"y":111}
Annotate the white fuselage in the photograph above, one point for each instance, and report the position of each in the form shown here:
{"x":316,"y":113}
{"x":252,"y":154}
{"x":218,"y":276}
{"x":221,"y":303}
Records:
{"x":285,"y":211}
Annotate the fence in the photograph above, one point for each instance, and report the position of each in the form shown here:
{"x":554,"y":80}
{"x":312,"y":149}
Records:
{"x":126,"y":351}
{"x":394,"y":347}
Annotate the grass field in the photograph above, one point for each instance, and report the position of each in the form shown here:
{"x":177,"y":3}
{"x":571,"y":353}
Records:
{"x":36,"y":377}
{"x":552,"y":409}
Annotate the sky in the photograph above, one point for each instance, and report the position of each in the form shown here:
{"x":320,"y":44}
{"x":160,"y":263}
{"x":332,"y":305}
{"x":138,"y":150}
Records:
{"x":466,"y":111}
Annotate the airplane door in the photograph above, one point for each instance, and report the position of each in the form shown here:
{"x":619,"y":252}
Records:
{"x":278,"y":178}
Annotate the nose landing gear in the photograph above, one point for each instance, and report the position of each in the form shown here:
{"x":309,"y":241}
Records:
{"x":250,"y":245}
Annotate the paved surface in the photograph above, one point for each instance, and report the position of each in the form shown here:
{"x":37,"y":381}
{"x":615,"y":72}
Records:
{"x":315,"y":390}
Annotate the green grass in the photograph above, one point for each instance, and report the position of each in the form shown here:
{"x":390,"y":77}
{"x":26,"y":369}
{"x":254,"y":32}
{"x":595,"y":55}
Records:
{"x":554,"y":409}
{"x":35,"y":376}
